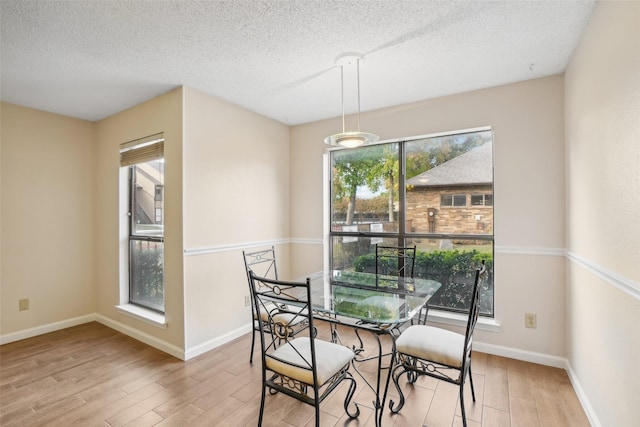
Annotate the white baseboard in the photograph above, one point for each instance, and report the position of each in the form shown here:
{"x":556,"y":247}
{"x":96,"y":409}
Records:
{"x":45,"y":329}
{"x":142,"y":336}
{"x":217,"y":342}
{"x":582,"y":397}
{"x":129,"y":331}
{"x":525,"y":355}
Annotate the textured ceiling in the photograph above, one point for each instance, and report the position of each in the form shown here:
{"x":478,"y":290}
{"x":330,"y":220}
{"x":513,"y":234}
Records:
{"x":91,"y":59}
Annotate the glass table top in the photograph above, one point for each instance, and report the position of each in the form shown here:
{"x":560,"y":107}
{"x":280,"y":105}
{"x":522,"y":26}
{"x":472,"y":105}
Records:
{"x":369,"y":297}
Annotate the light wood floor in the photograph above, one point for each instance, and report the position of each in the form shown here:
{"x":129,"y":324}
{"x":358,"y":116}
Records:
{"x":91,"y":375}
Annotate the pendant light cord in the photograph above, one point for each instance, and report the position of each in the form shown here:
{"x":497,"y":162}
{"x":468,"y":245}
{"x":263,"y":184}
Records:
{"x":342,"y":92}
{"x":358,"y":73}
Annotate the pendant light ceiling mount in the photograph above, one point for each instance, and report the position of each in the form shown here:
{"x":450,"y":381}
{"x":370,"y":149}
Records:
{"x":352,"y":138}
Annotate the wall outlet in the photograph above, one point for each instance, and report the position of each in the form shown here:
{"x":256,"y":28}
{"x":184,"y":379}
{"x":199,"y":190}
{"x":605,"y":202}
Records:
{"x":23,"y":304}
{"x":530,"y":320}
{"x":247,"y":301}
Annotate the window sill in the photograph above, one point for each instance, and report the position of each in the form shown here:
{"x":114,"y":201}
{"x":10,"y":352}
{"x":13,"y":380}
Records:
{"x":140,"y":313}
{"x":456,"y":319}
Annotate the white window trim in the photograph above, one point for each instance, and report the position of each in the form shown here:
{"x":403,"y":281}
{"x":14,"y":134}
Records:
{"x":458,"y":319}
{"x":148,"y":316}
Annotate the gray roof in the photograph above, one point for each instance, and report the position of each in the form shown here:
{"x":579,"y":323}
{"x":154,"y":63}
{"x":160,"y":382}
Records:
{"x":472,"y":167}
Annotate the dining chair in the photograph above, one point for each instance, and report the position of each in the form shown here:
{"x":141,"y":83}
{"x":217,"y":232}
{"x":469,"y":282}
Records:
{"x":438,"y":353}
{"x":399,"y":261}
{"x":263,"y":263}
{"x":301,"y":366}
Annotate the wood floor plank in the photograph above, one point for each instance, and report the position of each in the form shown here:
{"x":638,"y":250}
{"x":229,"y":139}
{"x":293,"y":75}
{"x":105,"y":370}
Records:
{"x":182,"y":417}
{"x":550,"y":408}
{"x":152,"y":373}
{"x":91,"y":375}
{"x":524,"y":412}
{"x":495,"y":417}
{"x":571,"y":405}
{"x":230,"y":387}
{"x":88,"y":409}
{"x":140,"y":408}
{"x":217,"y":412}
{"x":101,"y":412}
{"x":417,"y":403}
{"x":496,"y":393}
{"x":245,"y":415}
{"x":473,"y":409}
{"x":365,"y":418}
{"x":519,"y":379}
{"x":443,"y":406}
{"x":148,"y":419}
{"x":16,"y":397}
{"x":51,"y":415}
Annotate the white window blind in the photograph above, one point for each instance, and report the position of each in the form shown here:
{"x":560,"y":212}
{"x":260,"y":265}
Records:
{"x":142,"y":150}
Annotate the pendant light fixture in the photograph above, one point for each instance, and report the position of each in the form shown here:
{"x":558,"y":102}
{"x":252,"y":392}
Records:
{"x":352,"y":138}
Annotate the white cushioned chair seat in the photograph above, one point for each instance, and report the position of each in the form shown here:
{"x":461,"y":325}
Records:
{"x":433,"y":344}
{"x":330,"y":359}
{"x":265,"y":310}
{"x":280,"y":318}
{"x":288,"y":319}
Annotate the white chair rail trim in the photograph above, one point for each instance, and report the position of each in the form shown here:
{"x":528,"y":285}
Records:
{"x":510,"y":250}
{"x":626,"y":285}
{"x":535,"y":251}
{"x":234,"y":247}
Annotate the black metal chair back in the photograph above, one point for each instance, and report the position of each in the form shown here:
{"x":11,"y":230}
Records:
{"x":262,"y":263}
{"x":395,"y":260}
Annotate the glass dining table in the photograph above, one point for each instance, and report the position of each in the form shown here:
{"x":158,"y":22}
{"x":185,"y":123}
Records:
{"x":375,"y":303}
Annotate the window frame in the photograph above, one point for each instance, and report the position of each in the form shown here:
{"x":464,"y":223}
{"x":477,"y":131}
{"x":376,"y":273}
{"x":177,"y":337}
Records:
{"x":402,"y":234}
{"x":136,"y":259}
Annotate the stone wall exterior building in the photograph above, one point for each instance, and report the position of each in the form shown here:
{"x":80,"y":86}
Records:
{"x":455,"y":197}
{"x":426,"y":214}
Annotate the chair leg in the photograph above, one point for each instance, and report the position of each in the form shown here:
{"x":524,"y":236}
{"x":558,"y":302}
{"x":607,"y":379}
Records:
{"x":473,"y":393}
{"x":396,"y":381}
{"x":464,"y":415}
{"x":349,"y":396}
{"x":264,"y":395}
{"x":253,"y":342}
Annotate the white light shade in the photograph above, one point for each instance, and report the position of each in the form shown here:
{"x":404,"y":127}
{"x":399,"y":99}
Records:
{"x":351,"y":139}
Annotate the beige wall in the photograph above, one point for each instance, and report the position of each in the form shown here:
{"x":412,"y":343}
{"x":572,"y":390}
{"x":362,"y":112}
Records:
{"x":236,"y":195}
{"x":161,"y":114}
{"x":602,"y":96}
{"x":527,"y":119}
{"x":47,"y":223}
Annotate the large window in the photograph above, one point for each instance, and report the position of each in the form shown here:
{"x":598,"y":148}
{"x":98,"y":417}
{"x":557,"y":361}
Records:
{"x":433,"y":192}
{"x":145,"y":162}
